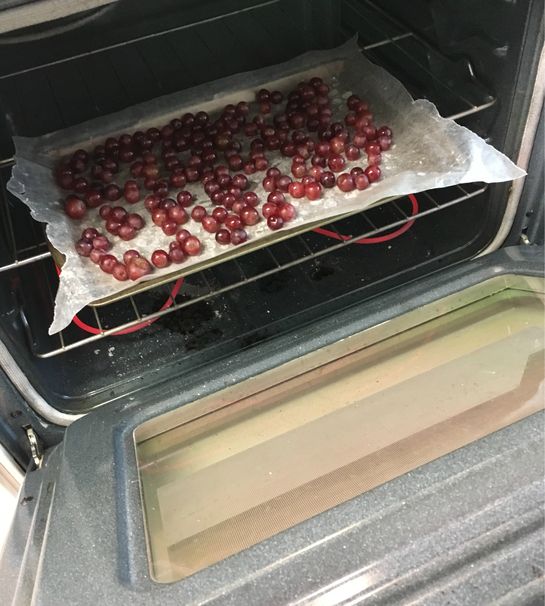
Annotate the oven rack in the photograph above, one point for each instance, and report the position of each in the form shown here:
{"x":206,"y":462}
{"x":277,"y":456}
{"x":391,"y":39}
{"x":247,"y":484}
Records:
{"x":205,"y":285}
{"x":441,"y":92}
{"x":70,"y":92}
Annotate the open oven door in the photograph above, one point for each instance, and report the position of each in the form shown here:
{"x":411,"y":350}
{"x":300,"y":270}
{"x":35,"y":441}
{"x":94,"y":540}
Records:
{"x":325,"y":466}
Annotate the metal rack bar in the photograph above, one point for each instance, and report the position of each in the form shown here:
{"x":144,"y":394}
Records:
{"x":135,"y":308}
{"x":459,"y":195}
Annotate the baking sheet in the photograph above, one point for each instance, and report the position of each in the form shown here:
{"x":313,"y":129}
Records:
{"x":428,"y":152}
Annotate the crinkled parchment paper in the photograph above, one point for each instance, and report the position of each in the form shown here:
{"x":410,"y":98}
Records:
{"x":428,"y":152}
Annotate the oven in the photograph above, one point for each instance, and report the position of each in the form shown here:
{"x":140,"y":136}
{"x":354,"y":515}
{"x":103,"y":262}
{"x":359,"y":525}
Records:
{"x":351,"y":413}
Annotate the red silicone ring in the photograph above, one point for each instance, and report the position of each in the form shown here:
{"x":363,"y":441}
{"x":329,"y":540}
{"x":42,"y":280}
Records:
{"x":376,"y":239}
{"x":96,"y":331}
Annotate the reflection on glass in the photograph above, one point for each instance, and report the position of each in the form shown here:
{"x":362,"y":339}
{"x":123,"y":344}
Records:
{"x":226,"y":480}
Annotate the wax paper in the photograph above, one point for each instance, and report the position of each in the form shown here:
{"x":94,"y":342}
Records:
{"x":428,"y":152}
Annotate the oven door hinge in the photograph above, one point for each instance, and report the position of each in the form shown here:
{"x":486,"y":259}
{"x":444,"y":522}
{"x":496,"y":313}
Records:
{"x":35,"y":448}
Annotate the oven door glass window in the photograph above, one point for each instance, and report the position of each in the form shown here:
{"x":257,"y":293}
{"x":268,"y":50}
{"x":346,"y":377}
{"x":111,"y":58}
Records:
{"x":227,"y":472}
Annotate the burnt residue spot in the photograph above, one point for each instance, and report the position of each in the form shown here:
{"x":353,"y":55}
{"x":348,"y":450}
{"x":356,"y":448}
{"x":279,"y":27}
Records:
{"x":198,"y":323}
{"x":25,"y":500}
{"x":15,"y":413}
{"x":320,"y":272}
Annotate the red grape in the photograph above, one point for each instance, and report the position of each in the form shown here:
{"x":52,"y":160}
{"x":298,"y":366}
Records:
{"x":384,"y":131}
{"x":176,"y":254}
{"x":352,"y":152}
{"x":274,"y":172}
{"x":89,"y":233}
{"x":345,"y":182}
{"x":112,"y":226}
{"x":384,"y":142}
{"x":219,"y":213}
{"x":374,"y":159}
{"x":178,"y":215}
{"x":276,"y":197}
{"x":80,"y":184}
{"x":84,"y":247}
{"x":112,"y":193}
{"x":296,"y":189}
{"x":287,"y":212}
{"x":132,"y":192}
{"x":198,"y":213}
{"x":138,"y":267}
{"x":169,"y":228}
{"x":184,"y":198}
{"x":181,"y":235}
{"x":237,"y":207}
{"x":269,"y":209}
{"x":238,"y":236}
{"x":101,"y":243}
{"x":160,"y":258}
{"x":372,"y":148}
{"x":269,"y":184}
{"x":107,"y":263}
{"x":135,"y":220}
{"x":336,"y":163}
{"x":327,"y":179}
{"x":240,"y":181}
{"x":233,"y":222}
{"x":315,"y":172}
{"x":359,"y":140}
{"x":126,"y":232}
{"x":159,"y":216}
{"x":223,"y":236}
{"x":74,"y":207}
{"x":336,"y":145}
{"x":250,"y":198}
{"x":191,"y":246}
{"x":96,"y":255}
{"x":130,"y":254}
{"x":283,"y":183}
{"x":313,"y":191}
{"x":210,"y":224}
{"x":298,"y":170}
{"x":260,"y":163}
{"x":136,"y":168}
{"x":373,"y":173}
{"x":93,"y":198}
{"x":249,"y":215}
{"x":361,"y":181}
{"x":120,"y":272}
{"x":275,"y":222}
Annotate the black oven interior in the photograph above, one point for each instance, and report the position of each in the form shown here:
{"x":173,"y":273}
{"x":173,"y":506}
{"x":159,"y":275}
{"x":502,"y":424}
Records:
{"x":470,"y":58}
